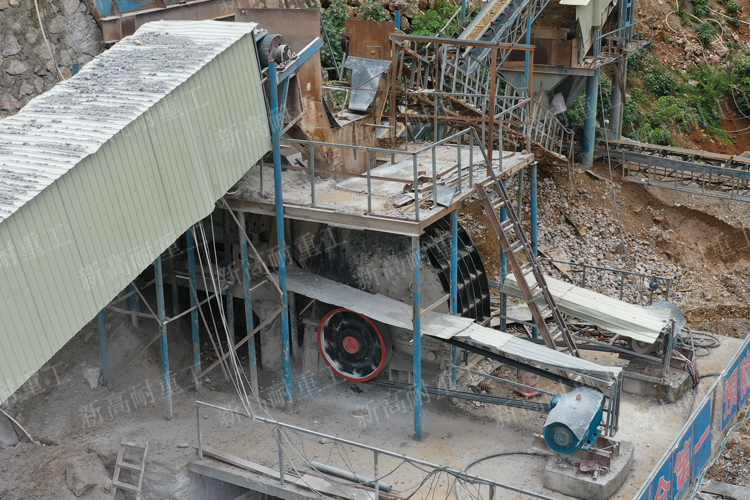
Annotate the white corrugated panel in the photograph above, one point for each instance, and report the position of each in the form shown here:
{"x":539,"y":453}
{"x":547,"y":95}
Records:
{"x":629,"y":320}
{"x":102,"y":173}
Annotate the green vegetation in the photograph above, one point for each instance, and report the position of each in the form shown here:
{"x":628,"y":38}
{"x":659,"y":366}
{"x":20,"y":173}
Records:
{"x":706,"y":33}
{"x":431,"y":22}
{"x":374,"y":11}
{"x":334,"y":20}
{"x":661,"y":102}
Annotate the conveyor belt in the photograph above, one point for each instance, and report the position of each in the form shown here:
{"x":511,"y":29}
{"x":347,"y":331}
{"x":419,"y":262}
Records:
{"x":440,"y":326}
{"x":690,"y":171}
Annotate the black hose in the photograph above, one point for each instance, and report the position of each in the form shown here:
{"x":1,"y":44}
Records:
{"x":487,"y":457}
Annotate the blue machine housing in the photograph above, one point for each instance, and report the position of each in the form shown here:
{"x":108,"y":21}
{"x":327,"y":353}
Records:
{"x":573,"y":422}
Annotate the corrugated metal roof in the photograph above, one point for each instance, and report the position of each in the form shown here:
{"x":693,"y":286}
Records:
{"x":102,"y":173}
{"x":629,"y":320}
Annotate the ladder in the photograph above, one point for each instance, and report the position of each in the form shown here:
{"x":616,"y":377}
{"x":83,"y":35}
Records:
{"x":525,"y":266}
{"x":136,"y":470}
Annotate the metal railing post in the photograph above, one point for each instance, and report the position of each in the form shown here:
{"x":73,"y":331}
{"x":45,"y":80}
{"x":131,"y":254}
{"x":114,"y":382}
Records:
{"x":622,"y":285}
{"x":375,"y":476}
{"x":200,"y":434}
{"x":458,"y":159}
{"x":416,"y":187}
{"x":311,"y":163}
{"x":281,"y":455}
{"x":369,"y":186}
{"x":471,"y":159}
{"x":434,"y":176}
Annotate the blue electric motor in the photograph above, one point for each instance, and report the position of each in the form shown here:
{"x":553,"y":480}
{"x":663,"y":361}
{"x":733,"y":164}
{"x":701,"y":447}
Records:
{"x":573,"y":422}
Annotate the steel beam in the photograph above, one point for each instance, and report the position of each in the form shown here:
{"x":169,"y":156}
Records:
{"x":102,"y":320}
{"x":190,"y":235}
{"x":417,"y":306}
{"x":534,"y":223}
{"x":273,"y":84}
{"x":163,"y":329}
{"x":454,"y":288}
{"x":133,"y":305}
{"x":592,"y":98}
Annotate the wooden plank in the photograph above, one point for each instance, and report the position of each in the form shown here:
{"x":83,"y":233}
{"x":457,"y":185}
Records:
{"x":240,"y":462}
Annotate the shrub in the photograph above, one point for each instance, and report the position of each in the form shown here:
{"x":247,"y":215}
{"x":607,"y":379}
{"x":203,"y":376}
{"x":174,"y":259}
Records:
{"x":659,"y":83}
{"x":334,"y":20}
{"x":373,"y":11}
{"x":431,"y":22}
{"x":734,"y":7}
{"x":701,"y":8}
{"x":734,"y":22}
{"x":706,"y":33}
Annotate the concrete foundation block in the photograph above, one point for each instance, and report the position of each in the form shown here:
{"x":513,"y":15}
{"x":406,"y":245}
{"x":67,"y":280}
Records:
{"x":561,"y":476}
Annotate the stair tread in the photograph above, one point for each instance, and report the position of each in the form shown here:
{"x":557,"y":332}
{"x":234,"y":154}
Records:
{"x":129,"y":466}
{"x":126,"y":486}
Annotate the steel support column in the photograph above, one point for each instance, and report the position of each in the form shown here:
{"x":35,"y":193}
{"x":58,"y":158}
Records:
{"x":503,"y":270}
{"x":278,"y":200}
{"x":133,"y":305}
{"x":616,"y":108}
{"x":454,"y":288}
{"x":592,"y":98}
{"x":250,"y":325}
{"x":193,"y":288}
{"x":160,"y":311}
{"x":534,"y":223}
{"x":102,"y":320}
{"x":417,"y":310}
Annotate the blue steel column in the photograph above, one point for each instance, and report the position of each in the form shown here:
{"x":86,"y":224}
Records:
{"x":103,"y":343}
{"x":592,"y":97}
{"x":503,"y":270}
{"x":397,"y":19}
{"x":417,"y":309}
{"x":248,"y":305}
{"x":527,"y":77}
{"x":278,"y":200}
{"x":534,"y":224}
{"x":463,"y":14}
{"x":133,"y":305}
{"x":163,"y":329}
{"x":190,"y":235}
{"x":454,"y":288}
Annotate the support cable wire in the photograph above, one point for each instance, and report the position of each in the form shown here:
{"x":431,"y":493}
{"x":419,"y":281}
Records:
{"x":46,"y":42}
{"x":492,"y":455}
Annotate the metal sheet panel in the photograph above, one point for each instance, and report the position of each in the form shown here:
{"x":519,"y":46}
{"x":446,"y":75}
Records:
{"x":636,"y":322}
{"x":101,"y":174}
{"x":438,"y":325}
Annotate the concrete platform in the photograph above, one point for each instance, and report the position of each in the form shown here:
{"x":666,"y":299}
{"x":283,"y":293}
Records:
{"x":342,"y":201}
{"x":564,"y":477}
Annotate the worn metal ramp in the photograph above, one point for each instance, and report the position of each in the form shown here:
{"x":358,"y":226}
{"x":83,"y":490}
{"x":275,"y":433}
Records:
{"x":437,"y":325}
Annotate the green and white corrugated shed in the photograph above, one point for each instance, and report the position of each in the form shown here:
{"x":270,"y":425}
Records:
{"x":102,"y":173}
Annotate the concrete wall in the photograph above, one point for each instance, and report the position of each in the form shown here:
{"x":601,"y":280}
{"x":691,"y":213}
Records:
{"x":26,"y":67}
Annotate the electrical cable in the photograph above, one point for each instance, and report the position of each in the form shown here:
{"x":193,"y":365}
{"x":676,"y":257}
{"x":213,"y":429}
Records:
{"x":46,"y":42}
{"x":487,"y":457}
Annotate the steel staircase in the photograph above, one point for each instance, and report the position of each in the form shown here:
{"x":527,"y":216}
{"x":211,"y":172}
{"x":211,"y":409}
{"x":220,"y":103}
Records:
{"x":467,"y":71}
{"x":525,"y":266}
